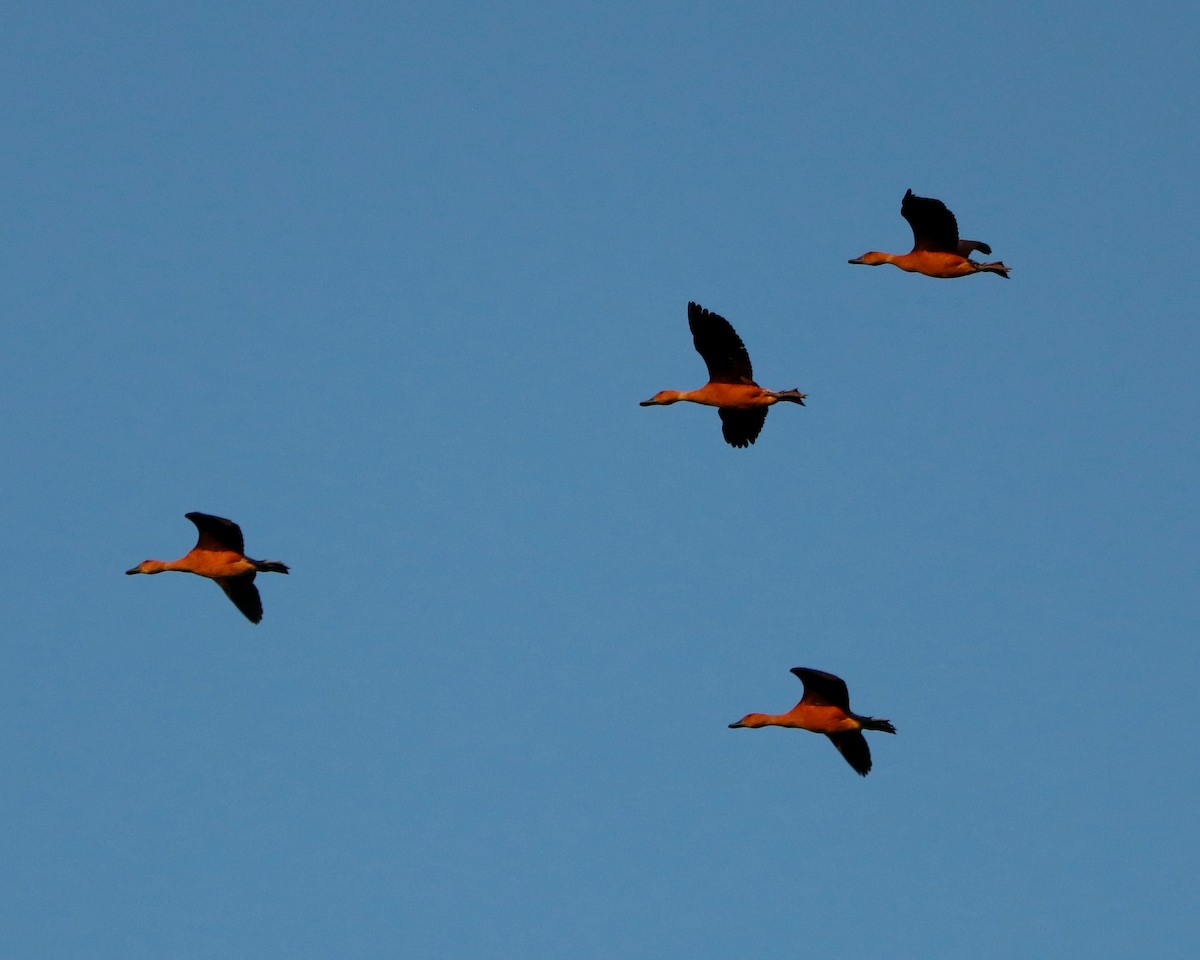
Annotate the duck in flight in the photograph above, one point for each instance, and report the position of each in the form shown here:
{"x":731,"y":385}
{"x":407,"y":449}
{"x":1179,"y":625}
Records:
{"x":740,"y":402}
{"x":937,"y":251}
{"x":219,"y":554}
{"x":825,"y":708}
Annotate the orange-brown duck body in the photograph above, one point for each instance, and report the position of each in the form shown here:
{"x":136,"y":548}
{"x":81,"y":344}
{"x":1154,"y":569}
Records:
{"x":219,"y":555}
{"x":825,"y":708}
{"x":937,"y":251}
{"x":741,"y":403}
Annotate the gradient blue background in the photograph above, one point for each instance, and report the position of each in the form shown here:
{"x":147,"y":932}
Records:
{"x":385,"y":285}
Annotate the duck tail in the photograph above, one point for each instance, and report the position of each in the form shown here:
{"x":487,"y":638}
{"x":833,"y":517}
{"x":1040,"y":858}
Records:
{"x":792,"y":396}
{"x":875,"y":723}
{"x":270,"y":566}
{"x":996,"y":267}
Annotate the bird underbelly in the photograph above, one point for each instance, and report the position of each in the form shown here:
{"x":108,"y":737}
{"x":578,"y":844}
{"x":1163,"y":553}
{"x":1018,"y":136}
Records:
{"x":944,"y":266}
{"x":733,"y":396}
{"x":215,"y":565}
{"x":822,"y":719}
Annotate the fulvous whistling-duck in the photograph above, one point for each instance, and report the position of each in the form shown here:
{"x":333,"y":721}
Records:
{"x":825,"y":708}
{"x":937,"y":251}
{"x":740,"y":402}
{"x":219,"y":555}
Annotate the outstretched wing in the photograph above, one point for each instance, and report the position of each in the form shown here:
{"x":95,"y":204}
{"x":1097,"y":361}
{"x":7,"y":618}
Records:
{"x":742,"y":427}
{"x":244,"y":594}
{"x":722,"y":349}
{"x":852,"y":745}
{"x":823,"y":689}
{"x":217,"y":533}
{"x":934,"y":227}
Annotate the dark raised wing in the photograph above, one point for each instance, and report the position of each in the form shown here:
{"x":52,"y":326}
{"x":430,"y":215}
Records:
{"x":823,"y":689}
{"x":722,"y":349}
{"x":852,"y":745}
{"x":934,"y":227}
{"x":217,"y":533}
{"x":244,"y":594}
{"x":742,"y":427}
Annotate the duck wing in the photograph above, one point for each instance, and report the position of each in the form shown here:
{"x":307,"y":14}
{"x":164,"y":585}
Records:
{"x":722,"y":349}
{"x":823,"y":689}
{"x":933,"y":225}
{"x":217,"y":533}
{"x":967,"y":247}
{"x":852,"y":745}
{"x":742,"y":427}
{"x":244,"y":594}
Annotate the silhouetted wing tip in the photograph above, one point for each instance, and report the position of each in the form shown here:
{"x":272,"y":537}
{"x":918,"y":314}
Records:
{"x":823,"y":688}
{"x":933,"y":225}
{"x":244,"y":594}
{"x":719,"y":345}
{"x":852,"y":745}
{"x":967,"y":247}
{"x":740,"y":428}
{"x":217,"y":532}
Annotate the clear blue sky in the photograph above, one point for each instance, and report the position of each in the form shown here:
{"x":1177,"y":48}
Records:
{"x":385,"y":285}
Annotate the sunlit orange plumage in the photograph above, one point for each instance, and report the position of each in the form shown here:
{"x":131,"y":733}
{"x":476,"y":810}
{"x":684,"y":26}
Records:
{"x":825,"y":708}
{"x":937,"y":251}
{"x":741,"y":403}
{"x":219,"y":555}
